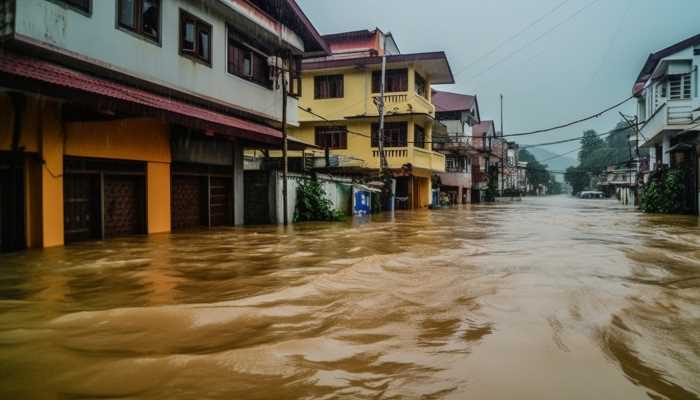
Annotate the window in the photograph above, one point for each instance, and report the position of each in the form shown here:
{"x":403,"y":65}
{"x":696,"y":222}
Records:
{"x":696,"y":50}
{"x":247,"y":63}
{"x":679,"y":87}
{"x":82,"y":5}
{"x":396,"y":81}
{"x":328,"y":87}
{"x":395,"y":134}
{"x":140,"y":16}
{"x":295,"y":76}
{"x":332,"y":137}
{"x":421,"y":86}
{"x":195,"y":38}
{"x":419,"y":136}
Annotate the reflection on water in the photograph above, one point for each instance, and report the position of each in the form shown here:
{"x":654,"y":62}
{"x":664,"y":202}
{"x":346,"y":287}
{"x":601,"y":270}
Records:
{"x":544,"y":299}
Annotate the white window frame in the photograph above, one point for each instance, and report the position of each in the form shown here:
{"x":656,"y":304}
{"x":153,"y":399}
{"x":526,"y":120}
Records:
{"x":685,"y":85}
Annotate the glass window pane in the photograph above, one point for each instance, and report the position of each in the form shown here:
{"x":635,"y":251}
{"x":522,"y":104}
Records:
{"x":151,"y":17}
{"x":248,"y":64}
{"x":126,"y":13}
{"x":203,"y":44}
{"x":188,"y":36}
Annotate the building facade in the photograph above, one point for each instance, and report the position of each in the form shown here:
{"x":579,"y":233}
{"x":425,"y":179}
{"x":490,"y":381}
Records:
{"x":669,"y":112}
{"x":340,"y":93}
{"x":485,"y":162}
{"x":457,"y":114}
{"x":131,"y":117}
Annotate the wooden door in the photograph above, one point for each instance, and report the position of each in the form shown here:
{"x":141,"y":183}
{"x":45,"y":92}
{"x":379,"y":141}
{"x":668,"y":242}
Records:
{"x":257,"y":199}
{"x":123,"y":205}
{"x":220,"y":201}
{"x":81,"y":207}
{"x":188,"y":195}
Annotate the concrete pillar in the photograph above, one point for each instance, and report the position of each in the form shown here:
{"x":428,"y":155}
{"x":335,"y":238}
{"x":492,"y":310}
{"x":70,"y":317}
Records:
{"x":158,"y":197}
{"x":52,"y":175}
{"x":665,"y":146}
{"x":238,"y":188}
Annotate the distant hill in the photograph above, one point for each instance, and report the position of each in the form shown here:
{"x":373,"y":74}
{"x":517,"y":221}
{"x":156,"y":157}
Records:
{"x":558,"y":164}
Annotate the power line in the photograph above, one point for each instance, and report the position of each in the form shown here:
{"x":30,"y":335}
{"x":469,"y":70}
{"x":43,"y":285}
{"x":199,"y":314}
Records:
{"x":509,"y":56}
{"x":579,"y":138}
{"x":576,"y":122}
{"x":308,"y":110}
{"x":511,"y":38}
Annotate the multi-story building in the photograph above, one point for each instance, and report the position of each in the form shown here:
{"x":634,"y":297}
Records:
{"x":669,"y":109}
{"x":340,"y":93}
{"x":131,"y":117}
{"x":485,"y":162}
{"x":457,"y":113}
{"x":511,"y":173}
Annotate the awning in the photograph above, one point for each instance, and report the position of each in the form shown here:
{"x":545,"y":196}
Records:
{"x":57,"y":81}
{"x":673,"y":67}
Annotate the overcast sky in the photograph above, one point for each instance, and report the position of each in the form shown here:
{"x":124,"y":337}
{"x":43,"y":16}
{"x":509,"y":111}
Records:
{"x":581,"y":57}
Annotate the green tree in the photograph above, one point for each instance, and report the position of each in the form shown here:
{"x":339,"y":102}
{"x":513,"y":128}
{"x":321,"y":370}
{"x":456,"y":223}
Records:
{"x":578,"y":178}
{"x":537,"y":173}
{"x":313,"y":203}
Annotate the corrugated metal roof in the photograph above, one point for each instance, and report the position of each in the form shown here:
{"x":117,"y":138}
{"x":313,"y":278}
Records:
{"x":446,"y":101}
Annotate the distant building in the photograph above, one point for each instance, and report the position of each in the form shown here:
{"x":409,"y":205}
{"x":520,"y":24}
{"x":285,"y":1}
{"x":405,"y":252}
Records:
{"x":457,"y":113}
{"x":340,"y":114}
{"x":484,"y":141}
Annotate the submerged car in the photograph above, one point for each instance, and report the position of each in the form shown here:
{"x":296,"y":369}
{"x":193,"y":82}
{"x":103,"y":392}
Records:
{"x":591,"y":195}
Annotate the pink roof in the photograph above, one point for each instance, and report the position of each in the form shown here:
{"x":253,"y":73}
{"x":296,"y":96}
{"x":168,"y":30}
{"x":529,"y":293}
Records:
{"x":54,"y":75}
{"x":482,"y":128}
{"x":446,"y":101}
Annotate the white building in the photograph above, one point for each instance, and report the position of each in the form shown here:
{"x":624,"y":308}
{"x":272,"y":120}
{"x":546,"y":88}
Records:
{"x":669,"y":109}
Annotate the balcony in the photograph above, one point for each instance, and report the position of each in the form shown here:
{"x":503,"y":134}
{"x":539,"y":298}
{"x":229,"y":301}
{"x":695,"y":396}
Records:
{"x":403,"y":103}
{"x":452,"y":143}
{"x":419,"y":158}
{"x":671,"y":116}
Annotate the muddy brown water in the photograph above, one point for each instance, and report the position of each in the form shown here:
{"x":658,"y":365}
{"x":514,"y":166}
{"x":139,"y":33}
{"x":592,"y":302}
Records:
{"x":551,"y":298}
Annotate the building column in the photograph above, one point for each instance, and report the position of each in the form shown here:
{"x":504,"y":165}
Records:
{"x":158,"y":197}
{"x":52,"y":174}
{"x":666,"y":145}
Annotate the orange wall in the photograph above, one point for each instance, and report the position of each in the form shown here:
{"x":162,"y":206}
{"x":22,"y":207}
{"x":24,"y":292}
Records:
{"x":158,"y":187}
{"x":52,"y":174}
{"x":126,"y":139}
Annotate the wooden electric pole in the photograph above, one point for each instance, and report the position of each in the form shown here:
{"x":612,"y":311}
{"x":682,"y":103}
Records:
{"x":285,"y":158}
{"x":382,"y":158}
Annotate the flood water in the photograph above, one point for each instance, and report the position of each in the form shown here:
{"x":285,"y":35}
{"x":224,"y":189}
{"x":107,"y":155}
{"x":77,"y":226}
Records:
{"x":552,"y":298}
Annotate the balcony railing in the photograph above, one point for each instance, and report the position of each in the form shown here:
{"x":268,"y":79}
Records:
{"x":404,"y":102}
{"x":417,"y":157}
{"x":676,"y":115}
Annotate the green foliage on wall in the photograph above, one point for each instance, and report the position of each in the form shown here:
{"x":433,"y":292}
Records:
{"x":664,"y":193}
{"x":313,"y":203}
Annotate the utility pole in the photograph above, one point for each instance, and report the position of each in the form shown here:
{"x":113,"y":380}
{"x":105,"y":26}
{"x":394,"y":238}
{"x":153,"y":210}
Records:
{"x":638,"y":162}
{"x":285,"y":159}
{"x":503,"y":175}
{"x":382,"y":158}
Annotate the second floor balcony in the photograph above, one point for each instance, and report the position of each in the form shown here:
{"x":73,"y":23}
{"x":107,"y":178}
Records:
{"x":671,"y":116}
{"x":403,"y":103}
{"x":401,"y":157}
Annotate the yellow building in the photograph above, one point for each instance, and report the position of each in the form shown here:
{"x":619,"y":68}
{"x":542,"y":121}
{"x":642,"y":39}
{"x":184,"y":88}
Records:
{"x":339,"y":110}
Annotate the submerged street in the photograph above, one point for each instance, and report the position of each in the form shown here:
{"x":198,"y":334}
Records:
{"x":547,"y":298}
